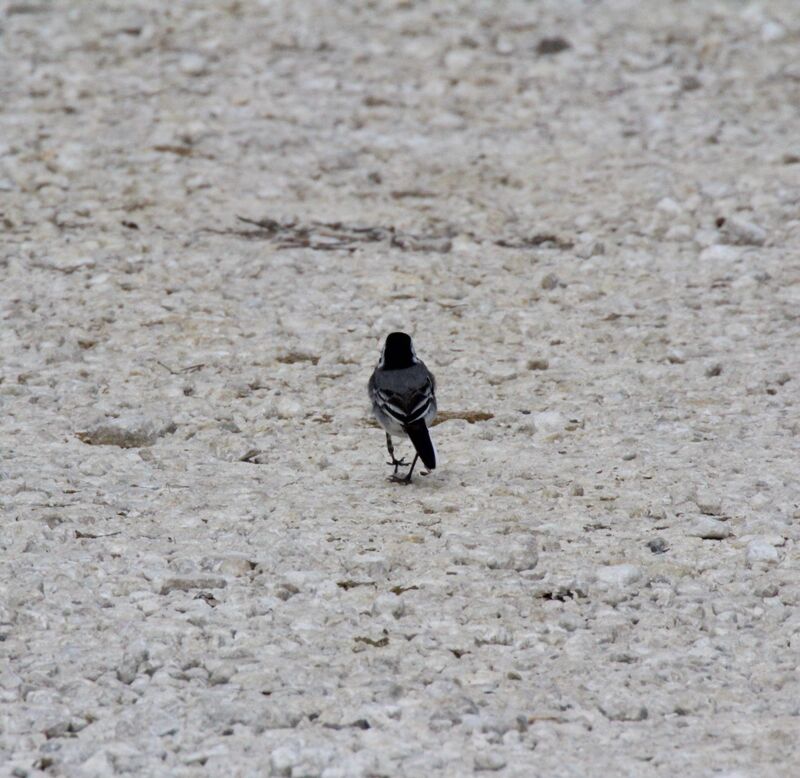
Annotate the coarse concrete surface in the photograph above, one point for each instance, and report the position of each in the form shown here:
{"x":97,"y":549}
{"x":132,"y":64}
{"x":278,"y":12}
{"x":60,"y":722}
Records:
{"x":588,"y":216}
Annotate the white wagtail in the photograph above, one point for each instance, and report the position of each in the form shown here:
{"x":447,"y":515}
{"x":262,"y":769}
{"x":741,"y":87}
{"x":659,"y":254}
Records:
{"x":403,"y":397}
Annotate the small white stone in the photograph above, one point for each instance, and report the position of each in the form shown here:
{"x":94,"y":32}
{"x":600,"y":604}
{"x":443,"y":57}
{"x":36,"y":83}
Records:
{"x":131,"y":661}
{"x":679,"y":233}
{"x":621,"y":706}
{"x":287,"y":408}
{"x":283,"y":759}
{"x":524,"y":555}
{"x":388,"y":604}
{"x":720,"y":253}
{"x":193,"y":65}
{"x":743,"y":232}
{"x":710,"y":529}
{"x":504,"y":46}
{"x":489,"y":760}
{"x":772,"y":31}
{"x":761,"y":552}
{"x":70,"y":159}
{"x":235,"y":565}
{"x":501,"y":375}
{"x":549,"y":421}
{"x":619,"y":575}
{"x":371,"y":566}
{"x":97,"y":765}
{"x":458,"y":60}
{"x":708,"y":503}
{"x":668,"y":205}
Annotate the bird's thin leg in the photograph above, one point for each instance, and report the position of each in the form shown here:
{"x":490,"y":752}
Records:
{"x":396,"y":462}
{"x":406,"y":479}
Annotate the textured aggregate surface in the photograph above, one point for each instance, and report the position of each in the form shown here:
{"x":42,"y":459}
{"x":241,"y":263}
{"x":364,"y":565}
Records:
{"x":587,"y":214}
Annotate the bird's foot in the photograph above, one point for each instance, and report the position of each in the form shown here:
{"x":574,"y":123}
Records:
{"x":398,"y":463}
{"x":400,"y":479}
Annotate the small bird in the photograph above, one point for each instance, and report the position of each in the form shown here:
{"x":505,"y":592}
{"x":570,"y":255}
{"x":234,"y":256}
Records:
{"x":403,"y":395}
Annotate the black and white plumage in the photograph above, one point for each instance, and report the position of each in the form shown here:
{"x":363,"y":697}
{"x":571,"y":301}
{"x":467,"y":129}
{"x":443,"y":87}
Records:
{"x":403,"y":395}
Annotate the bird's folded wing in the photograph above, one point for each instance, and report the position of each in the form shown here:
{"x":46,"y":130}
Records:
{"x":406,"y":407}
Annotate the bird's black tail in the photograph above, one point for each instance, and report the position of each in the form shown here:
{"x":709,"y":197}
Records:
{"x":423,"y":445}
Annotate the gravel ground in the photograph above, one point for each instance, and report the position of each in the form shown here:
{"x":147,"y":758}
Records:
{"x":587,"y":214}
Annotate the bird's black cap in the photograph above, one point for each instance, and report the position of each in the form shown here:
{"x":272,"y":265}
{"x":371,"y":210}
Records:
{"x":398,"y":352}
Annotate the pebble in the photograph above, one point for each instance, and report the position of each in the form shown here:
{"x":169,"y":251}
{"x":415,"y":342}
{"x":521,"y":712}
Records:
{"x":193,"y":65}
{"x":761,"y":552}
{"x":720,"y":253}
{"x":668,"y":206}
{"x":187,"y":584}
{"x":71,"y":159}
{"x":708,"y":503}
{"x":658,"y":545}
{"x":742,"y":232}
{"x":538,"y":363}
{"x":690,"y":82}
{"x":501,"y":375}
{"x":283,"y":759}
{"x":388,"y":604}
{"x":619,"y":575}
{"x":588,"y":246}
{"x":288,"y":408}
{"x":550,"y":282}
{"x":679,"y":233}
{"x":458,"y":60}
{"x":622,"y":706}
{"x":132,"y":659}
{"x":235,"y":566}
{"x":524,"y":555}
{"x":370,"y":566}
{"x":489,"y":760}
{"x":201,"y":757}
{"x":512,"y":555}
{"x":549,"y":421}
{"x":552,"y":45}
{"x":504,"y":46}
{"x":676,"y":357}
{"x":432,"y":243}
{"x":126,"y":431}
{"x":772,"y":31}
{"x":710,"y":529}
{"x":98,"y":765}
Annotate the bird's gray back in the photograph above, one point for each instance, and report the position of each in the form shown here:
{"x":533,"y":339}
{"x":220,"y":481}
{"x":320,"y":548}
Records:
{"x":404,"y":383}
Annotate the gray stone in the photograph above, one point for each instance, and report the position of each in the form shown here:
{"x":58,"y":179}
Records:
{"x":710,"y":529}
{"x":188,"y":583}
{"x":550,"y":282}
{"x":538,"y":363}
{"x":126,"y":431}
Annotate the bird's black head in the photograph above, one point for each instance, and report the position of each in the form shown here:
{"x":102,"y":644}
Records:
{"x":398,"y":352}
